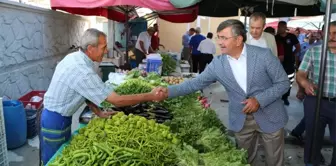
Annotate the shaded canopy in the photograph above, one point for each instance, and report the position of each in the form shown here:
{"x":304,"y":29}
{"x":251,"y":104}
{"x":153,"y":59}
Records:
{"x":272,"y":8}
{"x":124,"y":10}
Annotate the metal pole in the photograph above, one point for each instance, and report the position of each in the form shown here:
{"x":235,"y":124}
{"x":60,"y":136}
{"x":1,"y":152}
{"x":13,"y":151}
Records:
{"x":314,"y":151}
{"x":127,"y":31}
{"x":245,"y":19}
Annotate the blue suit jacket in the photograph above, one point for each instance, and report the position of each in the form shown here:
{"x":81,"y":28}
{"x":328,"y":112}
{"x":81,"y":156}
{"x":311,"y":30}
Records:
{"x":266,"y":81}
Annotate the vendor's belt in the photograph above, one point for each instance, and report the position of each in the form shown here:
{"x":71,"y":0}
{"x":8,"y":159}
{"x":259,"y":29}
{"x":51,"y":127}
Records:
{"x":331,"y":99}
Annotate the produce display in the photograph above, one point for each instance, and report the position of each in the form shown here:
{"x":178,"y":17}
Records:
{"x":149,"y":111}
{"x":192,"y":136}
{"x":204,"y":102}
{"x":121,"y":140}
{"x":173,"y":80}
{"x":168,"y":64}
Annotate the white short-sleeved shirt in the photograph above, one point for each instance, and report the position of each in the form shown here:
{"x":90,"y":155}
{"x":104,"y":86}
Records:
{"x":261,"y":42}
{"x":146,"y":39}
{"x":207,"y":46}
{"x":74,"y":80}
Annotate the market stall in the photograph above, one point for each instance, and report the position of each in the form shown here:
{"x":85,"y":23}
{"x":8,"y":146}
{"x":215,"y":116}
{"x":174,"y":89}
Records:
{"x":182,"y":131}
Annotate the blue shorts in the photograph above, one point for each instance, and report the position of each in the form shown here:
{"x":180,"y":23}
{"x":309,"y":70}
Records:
{"x":55,"y":131}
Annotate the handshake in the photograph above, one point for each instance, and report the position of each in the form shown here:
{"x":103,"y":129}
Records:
{"x":159,"y":94}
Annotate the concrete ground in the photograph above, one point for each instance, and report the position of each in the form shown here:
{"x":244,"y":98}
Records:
{"x":28,"y":154}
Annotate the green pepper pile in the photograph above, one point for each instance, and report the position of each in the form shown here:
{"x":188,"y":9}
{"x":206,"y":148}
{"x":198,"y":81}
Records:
{"x":121,"y":140}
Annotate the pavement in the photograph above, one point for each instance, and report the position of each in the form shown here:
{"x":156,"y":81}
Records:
{"x":27,"y":155}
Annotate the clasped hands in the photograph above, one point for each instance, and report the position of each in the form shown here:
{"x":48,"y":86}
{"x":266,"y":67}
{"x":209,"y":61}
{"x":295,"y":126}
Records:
{"x":159,"y":94}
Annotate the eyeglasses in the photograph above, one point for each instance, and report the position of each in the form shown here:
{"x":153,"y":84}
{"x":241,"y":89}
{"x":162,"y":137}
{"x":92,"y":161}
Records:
{"x":223,"y":38}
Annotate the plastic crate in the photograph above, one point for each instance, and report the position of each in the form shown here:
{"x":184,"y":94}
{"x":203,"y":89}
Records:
{"x":106,"y":68}
{"x":26,"y":99}
{"x":3,"y":145}
{"x":154,"y":66}
{"x":31,"y":123}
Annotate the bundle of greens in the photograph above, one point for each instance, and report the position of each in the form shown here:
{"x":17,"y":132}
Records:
{"x":168,"y":64}
{"x":133,"y":86}
{"x":203,"y":135}
{"x":122,"y":140}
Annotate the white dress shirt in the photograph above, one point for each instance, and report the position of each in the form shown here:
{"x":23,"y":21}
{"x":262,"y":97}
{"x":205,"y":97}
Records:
{"x":239,"y":68}
{"x":207,"y":46}
{"x":146,"y":39}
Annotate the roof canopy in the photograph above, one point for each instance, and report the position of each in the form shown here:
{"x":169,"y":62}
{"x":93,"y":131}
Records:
{"x":272,"y":8}
{"x":122,"y":10}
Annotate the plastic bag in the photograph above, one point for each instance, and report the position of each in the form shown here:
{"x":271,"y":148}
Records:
{"x":154,"y":57}
{"x":116,"y":78}
{"x":36,"y":99}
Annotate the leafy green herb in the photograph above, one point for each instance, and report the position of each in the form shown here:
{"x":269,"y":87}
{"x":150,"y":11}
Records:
{"x":168,"y":64}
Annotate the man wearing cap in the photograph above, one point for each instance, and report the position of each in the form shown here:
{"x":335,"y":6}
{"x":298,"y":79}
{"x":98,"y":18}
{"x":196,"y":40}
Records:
{"x":143,"y":45}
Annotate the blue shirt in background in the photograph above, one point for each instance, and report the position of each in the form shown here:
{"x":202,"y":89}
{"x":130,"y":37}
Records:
{"x":305,"y":47}
{"x":301,"y":38}
{"x":186,"y":39}
{"x":194,"y":43}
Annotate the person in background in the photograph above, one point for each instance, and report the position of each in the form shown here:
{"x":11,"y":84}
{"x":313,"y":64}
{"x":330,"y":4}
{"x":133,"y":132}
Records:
{"x":185,"y":54}
{"x":155,"y":41}
{"x":299,"y":35}
{"x":256,"y":35}
{"x":308,"y":78}
{"x":270,"y":30}
{"x":143,"y":45}
{"x":73,"y":83}
{"x":280,"y":47}
{"x":255,"y":82}
{"x":207,"y":48}
{"x":300,"y":128}
{"x":307,"y":45}
{"x":193,"y":46}
{"x":290,"y":60}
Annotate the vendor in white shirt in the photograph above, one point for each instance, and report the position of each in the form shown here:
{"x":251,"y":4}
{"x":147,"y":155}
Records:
{"x":256,"y":35}
{"x":207,"y":48}
{"x":143,"y":45}
{"x":73,"y":83}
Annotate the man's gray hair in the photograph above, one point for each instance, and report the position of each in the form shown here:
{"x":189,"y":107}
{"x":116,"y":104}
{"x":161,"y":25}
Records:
{"x":238,"y":28}
{"x":198,"y":30}
{"x":90,"y":37}
{"x":258,"y":15}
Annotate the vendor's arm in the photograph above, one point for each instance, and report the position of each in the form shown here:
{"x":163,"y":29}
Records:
{"x":91,"y":87}
{"x":203,"y":80}
{"x":150,"y":50}
{"x":95,"y":109}
{"x":161,"y":44}
{"x":279,"y":79}
{"x":142,"y":46}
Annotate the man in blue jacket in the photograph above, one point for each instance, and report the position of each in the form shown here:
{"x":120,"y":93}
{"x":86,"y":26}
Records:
{"x":255,"y":81}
